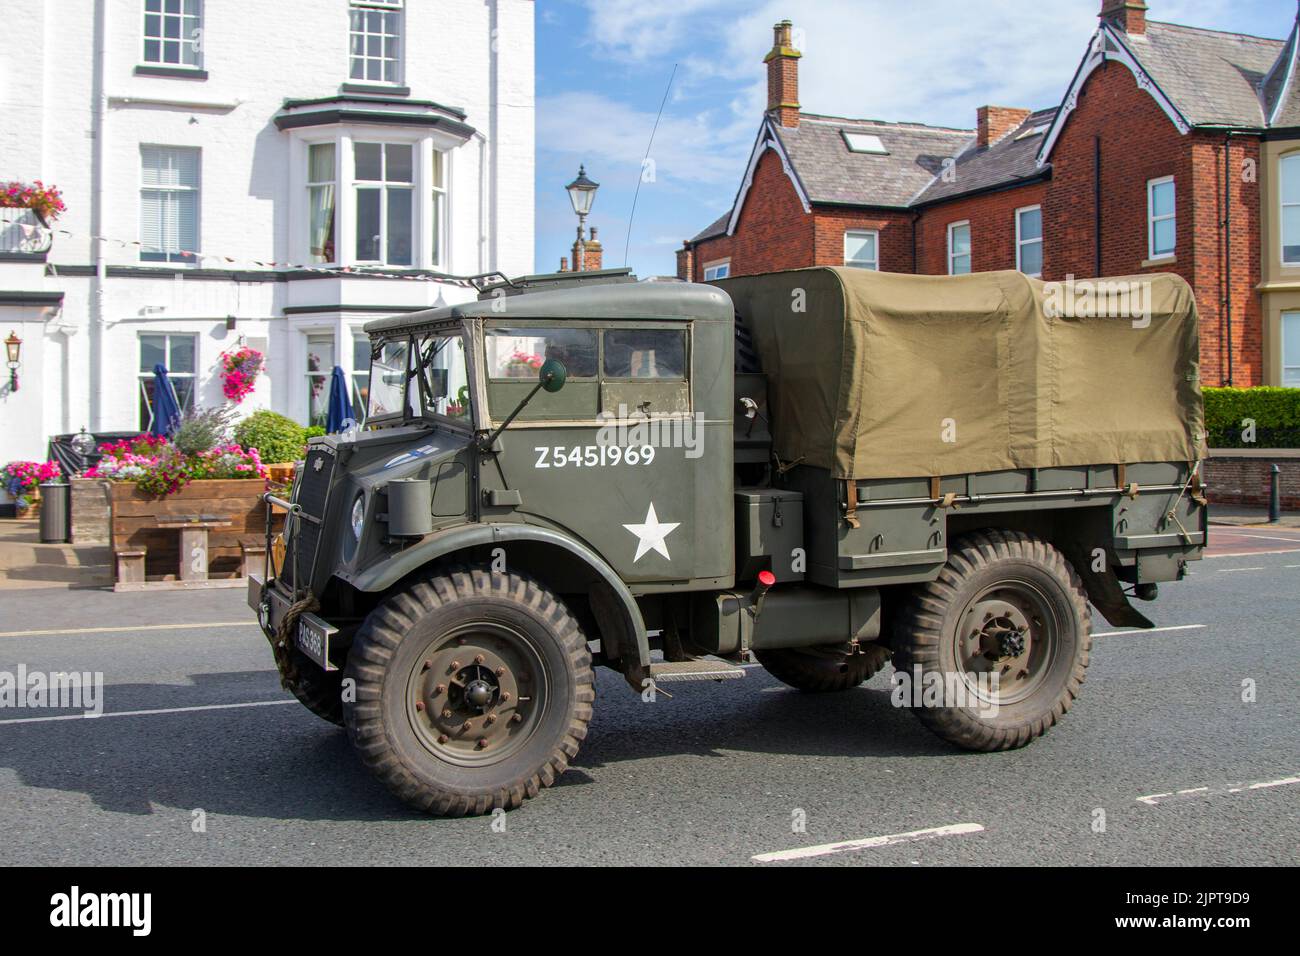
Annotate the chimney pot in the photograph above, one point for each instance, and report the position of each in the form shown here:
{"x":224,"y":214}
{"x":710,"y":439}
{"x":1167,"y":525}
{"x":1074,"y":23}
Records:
{"x":1128,"y":15}
{"x":994,"y":122}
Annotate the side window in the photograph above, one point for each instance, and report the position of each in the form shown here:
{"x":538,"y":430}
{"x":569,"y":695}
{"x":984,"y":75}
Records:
{"x":637,"y":354}
{"x":645,"y":372}
{"x":515,"y":354}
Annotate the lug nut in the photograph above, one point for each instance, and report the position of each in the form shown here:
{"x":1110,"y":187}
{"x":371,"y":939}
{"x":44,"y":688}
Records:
{"x":482,"y":742}
{"x":427,"y":665}
{"x":419,"y":705}
{"x":446,"y":714}
{"x":491,"y":719}
{"x":500,"y":671}
{"x":479,"y":659}
{"x":505,"y":695}
{"x":455,"y":666}
{"x":516,"y":718}
{"x":442,"y":738}
{"x":440,"y":689}
{"x":466,"y":726}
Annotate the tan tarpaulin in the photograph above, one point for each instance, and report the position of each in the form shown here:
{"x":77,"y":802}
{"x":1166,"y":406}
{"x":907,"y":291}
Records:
{"x":879,"y":375}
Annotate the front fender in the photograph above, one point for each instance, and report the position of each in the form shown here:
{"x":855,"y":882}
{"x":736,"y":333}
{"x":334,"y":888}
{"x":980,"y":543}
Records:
{"x":386,"y":573}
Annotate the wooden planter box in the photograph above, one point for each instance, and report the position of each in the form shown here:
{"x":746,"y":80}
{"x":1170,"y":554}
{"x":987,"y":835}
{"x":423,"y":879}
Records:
{"x":135,"y":527}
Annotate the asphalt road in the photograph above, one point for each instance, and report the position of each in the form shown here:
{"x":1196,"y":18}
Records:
{"x":718,"y":774}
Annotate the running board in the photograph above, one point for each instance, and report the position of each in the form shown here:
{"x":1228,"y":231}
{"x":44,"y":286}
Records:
{"x":666,"y":671}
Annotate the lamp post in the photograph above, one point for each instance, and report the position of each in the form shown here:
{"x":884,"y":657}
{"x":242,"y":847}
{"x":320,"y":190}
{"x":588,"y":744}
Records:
{"x":13,"y":349}
{"x":582,"y":193}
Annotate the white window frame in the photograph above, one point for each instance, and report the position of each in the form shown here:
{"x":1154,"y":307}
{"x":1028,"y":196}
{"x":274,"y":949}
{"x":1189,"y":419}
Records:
{"x":142,"y":376}
{"x":862,"y":263}
{"x":970,"y":252}
{"x":324,"y":374}
{"x":721,"y":269}
{"x":1152,"y":219}
{"x":1021,"y":243}
{"x":170,"y":256}
{"x":1283,"y":206}
{"x":384,"y":186}
{"x":437,"y":231}
{"x":1290,"y":373}
{"x":193,"y":37}
{"x":395,"y":8}
{"x":338,"y":199}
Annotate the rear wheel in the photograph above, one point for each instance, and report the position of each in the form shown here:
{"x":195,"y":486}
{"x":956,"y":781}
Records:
{"x":473,"y":691}
{"x":993,"y":652}
{"x":823,"y":669}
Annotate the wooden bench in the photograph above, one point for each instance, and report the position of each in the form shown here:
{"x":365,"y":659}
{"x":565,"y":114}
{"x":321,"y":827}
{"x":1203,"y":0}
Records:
{"x":194,"y":541}
{"x":252,"y":557}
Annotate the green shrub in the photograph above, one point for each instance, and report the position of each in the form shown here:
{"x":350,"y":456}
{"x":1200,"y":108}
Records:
{"x":277,"y":439}
{"x":1274,"y":411}
{"x":313,"y":431}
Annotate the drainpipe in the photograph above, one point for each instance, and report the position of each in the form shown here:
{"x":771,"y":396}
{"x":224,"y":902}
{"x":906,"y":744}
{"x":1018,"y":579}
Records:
{"x":1096,"y":202}
{"x":1227,"y":244}
{"x":99,"y":115}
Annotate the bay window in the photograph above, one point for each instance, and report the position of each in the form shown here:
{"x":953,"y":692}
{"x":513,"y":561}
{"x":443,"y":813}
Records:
{"x":320,"y":201}
{"x":320,"y":366}
{"x":1290,"y":176}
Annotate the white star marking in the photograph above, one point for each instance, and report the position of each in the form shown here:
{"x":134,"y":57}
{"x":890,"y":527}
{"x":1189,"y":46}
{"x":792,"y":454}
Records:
{"x":651,"y":534}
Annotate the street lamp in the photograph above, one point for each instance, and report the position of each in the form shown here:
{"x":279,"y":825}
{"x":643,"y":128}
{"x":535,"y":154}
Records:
{"x":582,"y":193}
{"x":13,"y":349}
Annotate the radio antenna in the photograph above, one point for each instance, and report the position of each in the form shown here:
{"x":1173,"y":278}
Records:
{"x":641,"y":175}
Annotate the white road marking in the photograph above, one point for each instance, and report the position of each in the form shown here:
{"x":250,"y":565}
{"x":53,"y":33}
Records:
{"x":146,"y":713}
{"x":826,"y":849}
{"x":1252,"y":554}
{"x":137,"y":627}
{"x":1270,"y":537}
{"x":1152,"y":799}
{"x":1151,"y":630}
{"x":1225,"y":570}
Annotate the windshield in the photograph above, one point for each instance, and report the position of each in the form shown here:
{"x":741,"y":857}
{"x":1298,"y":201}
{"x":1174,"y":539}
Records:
{"x":432,"y":365}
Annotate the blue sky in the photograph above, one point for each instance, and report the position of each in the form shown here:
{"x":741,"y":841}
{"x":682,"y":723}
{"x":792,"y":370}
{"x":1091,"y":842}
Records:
{"x":603,"y":66}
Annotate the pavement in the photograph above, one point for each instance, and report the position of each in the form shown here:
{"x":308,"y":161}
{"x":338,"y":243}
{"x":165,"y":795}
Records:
{"x":1182,"y":749}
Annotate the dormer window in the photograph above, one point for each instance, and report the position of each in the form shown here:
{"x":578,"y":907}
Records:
{"x":864,"y":143}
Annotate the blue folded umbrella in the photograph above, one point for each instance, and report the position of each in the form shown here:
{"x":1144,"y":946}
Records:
{"x":166,"y":410}
{"x":338,"y":410}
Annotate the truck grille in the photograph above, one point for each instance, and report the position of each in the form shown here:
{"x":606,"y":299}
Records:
{"x":312,"y":494}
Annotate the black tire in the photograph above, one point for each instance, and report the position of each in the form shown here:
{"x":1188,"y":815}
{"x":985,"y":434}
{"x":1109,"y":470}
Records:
{"x":467,"y":628}
{"x":1006,"y":603}
{"x":319,"y":691}
{"x":821,"y":671}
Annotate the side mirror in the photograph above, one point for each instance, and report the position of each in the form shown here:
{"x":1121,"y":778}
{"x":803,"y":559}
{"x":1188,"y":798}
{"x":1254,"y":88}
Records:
{"x":552,"y":375}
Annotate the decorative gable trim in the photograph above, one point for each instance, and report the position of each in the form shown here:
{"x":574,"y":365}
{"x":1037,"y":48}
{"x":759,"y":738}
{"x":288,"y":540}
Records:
{"x":767,"y":139}
{"x":1106,"y":45}
{"x":1284,"y":93}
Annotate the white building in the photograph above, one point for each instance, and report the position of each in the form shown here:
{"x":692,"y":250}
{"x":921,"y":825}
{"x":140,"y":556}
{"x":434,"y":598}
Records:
{"x":218,"y":146}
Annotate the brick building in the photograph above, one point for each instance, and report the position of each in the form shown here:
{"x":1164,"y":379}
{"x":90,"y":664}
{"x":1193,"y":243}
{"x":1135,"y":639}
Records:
{"x":1174,"y":149}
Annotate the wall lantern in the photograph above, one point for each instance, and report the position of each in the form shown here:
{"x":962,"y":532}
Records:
{"x":13,"y":352}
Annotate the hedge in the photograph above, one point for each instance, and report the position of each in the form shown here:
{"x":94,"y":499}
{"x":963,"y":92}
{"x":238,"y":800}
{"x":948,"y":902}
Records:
{"x":276,"y":438}
{"x":1275,"y":412}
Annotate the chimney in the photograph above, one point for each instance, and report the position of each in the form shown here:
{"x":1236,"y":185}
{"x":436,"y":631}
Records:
{"x":686,"y":262}
{"x":564,"y":263}
{"x":1128,"y":15}
{"x":783,"y":76}
{"x":994,"y":122}
{"x":588,"y":257}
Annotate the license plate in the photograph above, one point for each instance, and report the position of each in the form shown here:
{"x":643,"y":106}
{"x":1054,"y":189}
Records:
{"x":313,"y":639}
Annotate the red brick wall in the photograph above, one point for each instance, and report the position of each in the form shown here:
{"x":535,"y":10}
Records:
{"x":774,"y":232}
{"x":894,"y":243}
{"x":1139,"y":143}
{"x":1247,"y":481}
{"x":993,"y":229}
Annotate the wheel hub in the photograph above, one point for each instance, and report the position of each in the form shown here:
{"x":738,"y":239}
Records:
{"x":474,"y":695}
{"x":1002,"y":634}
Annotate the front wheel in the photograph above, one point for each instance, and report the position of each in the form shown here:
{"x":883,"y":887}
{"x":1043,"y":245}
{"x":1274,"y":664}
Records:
{"x":821,"y":670}
{"x":473,"y":691}
{"x":992,"y":653}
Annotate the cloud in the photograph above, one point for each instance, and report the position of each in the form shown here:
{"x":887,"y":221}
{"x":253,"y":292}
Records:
{"x":689,"y":150}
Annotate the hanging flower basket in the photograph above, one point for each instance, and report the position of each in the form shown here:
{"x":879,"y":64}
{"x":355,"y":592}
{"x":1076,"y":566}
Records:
{"x":239,"y":371}
{"x":46,"y":202}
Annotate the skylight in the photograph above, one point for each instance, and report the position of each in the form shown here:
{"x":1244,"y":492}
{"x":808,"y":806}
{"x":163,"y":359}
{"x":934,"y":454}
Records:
{"x":1035,"y":131}
{"x":864,"y":143}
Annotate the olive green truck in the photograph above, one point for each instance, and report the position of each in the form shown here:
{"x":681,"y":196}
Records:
{"x":817,"y":471}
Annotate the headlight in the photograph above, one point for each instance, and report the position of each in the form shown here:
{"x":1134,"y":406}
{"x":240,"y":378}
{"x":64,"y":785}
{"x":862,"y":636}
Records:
{"x":358,"y":516}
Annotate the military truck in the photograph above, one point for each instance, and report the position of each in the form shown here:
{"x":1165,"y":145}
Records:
{"x":817,"y":471}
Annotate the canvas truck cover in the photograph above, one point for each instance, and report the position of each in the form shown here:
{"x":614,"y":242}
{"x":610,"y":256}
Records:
{"x":878,"y":375}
